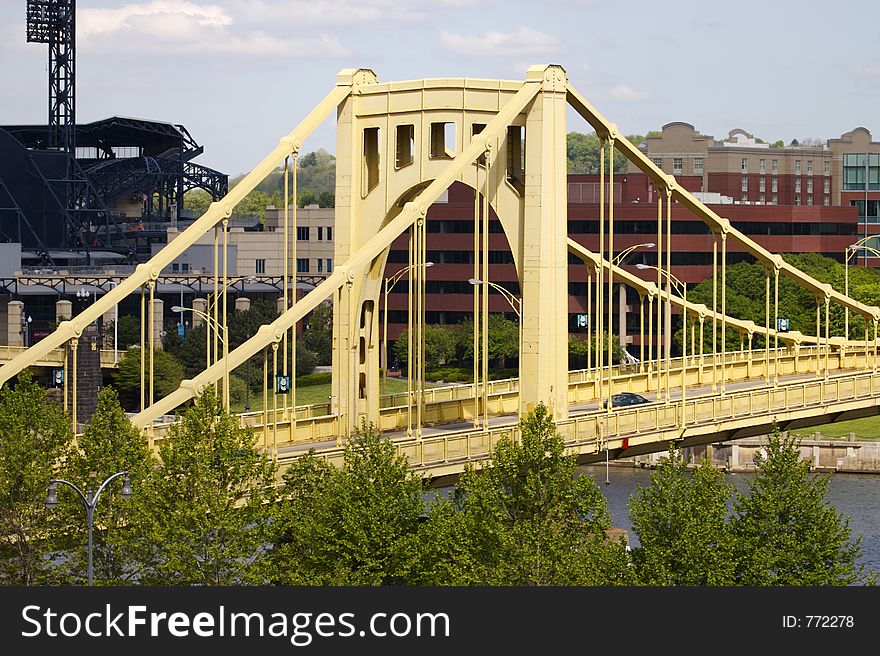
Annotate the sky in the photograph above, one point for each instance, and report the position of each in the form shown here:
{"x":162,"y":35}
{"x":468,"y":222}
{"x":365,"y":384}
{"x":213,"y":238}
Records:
{"x":240,"y":74}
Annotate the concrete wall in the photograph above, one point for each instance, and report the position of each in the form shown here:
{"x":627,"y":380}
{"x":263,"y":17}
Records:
{"x":827,"y":455}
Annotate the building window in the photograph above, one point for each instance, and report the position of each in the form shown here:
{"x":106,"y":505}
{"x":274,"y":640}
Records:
{"x":797,"y":167}
{"x":761,"y":198}
{"x":658,"y":162}
{"x":762,"y":185}
{"x":302,"y":233}
{"x":184,"y":267}
{"x":329,"y":233}
{"x":809,"y":200}
{"x":761,"y":165}
{"x":320,"y":264}
{"x":677,"y":165}
{"x":745,"y":183}
{"x":745,"y":165}
{"x":329,"y":265}
{"x":774,"y":165}
{"x":744,"y":198}
{"x":797,"y":185}
{"x":809,"y":185}
{"x":175,"y":267}
{"x":774,"y":184}
{"x":827,"y":167}
{"x":261,"y":266}
{"x":827,"y":186}
{"x":809,"y":167}
{"x":698,"y":165}
{"x":854,"y":171}
{"x":302,"y":265}
{"x":827,"y":200}
{"x":320,"y":233}
{"x":797,"y":200}
{"x":774,"y":199}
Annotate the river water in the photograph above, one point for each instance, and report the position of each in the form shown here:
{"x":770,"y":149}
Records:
{"x":855,"y":495}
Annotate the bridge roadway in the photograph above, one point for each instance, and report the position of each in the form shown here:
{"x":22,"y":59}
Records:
{"x":750,"y":401}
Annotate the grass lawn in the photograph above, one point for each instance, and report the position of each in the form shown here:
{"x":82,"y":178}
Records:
{"x":867,"y":428}
{"x":316,"y":394}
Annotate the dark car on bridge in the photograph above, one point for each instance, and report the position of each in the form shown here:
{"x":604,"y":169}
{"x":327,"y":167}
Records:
{"x":624,"y":399}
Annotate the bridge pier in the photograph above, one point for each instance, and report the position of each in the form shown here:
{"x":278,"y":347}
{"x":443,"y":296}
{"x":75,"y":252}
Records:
{"x":14,"y":334}
{"x":543,"y":370}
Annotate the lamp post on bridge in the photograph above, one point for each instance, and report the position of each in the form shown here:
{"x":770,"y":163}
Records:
{"x":849,"y":252}
{"x":221,"y":330}
{"x":516,"y":305}
{"x":90,"y":502}
{"x":682,"y":289}
{"x":390,"y":281}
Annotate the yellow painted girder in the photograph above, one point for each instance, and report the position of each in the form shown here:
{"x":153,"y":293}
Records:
{"x":650,"y":289}
{"x":604,"y":127}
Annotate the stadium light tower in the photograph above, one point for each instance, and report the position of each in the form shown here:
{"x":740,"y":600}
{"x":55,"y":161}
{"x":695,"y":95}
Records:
{"x":54,"y":22}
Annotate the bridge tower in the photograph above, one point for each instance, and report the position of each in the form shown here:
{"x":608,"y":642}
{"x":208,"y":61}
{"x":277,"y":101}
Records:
{"x":393,"y":142}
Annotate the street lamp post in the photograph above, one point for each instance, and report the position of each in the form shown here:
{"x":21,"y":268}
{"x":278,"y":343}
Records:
{"x":849,"y":252}
{"x":221,"y":329}
{"x":27,"y":331}
{"x":682,"y":288}
{"x":390,"y":281}
{"x":89,"y":501}
{"x":516,"y":306}
{"x":618,"y":259}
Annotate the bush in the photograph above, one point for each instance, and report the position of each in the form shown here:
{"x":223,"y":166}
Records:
{"x":321,"y":378}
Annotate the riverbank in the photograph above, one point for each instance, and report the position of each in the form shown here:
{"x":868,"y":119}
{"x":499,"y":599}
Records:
{"x":825,"y":455}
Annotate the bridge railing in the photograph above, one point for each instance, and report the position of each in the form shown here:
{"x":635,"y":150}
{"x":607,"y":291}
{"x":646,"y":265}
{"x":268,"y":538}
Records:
{"x":653,"y":424}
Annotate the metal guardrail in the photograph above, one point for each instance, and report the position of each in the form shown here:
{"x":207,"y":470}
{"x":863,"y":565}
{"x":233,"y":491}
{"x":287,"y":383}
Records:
{"x":315,"y":424}
{"x":589,"y":433}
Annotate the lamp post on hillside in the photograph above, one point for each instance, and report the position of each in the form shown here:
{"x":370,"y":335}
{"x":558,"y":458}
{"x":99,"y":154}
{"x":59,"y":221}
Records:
{"x":516,"y":305}
{"x":390,"y":281}
{"x":90,"y":502}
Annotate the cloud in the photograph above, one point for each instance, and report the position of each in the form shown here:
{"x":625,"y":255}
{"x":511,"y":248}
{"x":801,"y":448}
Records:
{"x":868,"y":71}
{"x":623,"y":93}
{"x":324,"y":12}
{"x":523,"y":41}
{"x":180,"y":26}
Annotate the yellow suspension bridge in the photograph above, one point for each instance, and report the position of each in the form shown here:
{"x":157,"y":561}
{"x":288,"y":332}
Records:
{"x":394,"y":158}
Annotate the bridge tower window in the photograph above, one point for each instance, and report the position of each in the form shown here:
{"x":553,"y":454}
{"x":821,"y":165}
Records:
{"x":516,"y":165}
{"x":371,"y":159}
{"x":442,"y":140}
{"x":406,"y":135}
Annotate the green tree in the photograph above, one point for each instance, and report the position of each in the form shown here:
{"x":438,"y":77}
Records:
{"x":167,"y":374}
{"x":197,"y":200}
{"x":441,"y":343}
{"x":681,"y":522}
{"x":583,"y":153}
{"x":503,"y":339}
{"x":109,"y":444}
{"x":318,"y":333}
{"x":34,"y":437}
{"x":204,"y":514}
{"x":354,"y":525}
{"x":582,"y":355}
{"x":524,"y":519}
{"x":127,"y":334}
{"x":788,"y":533}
